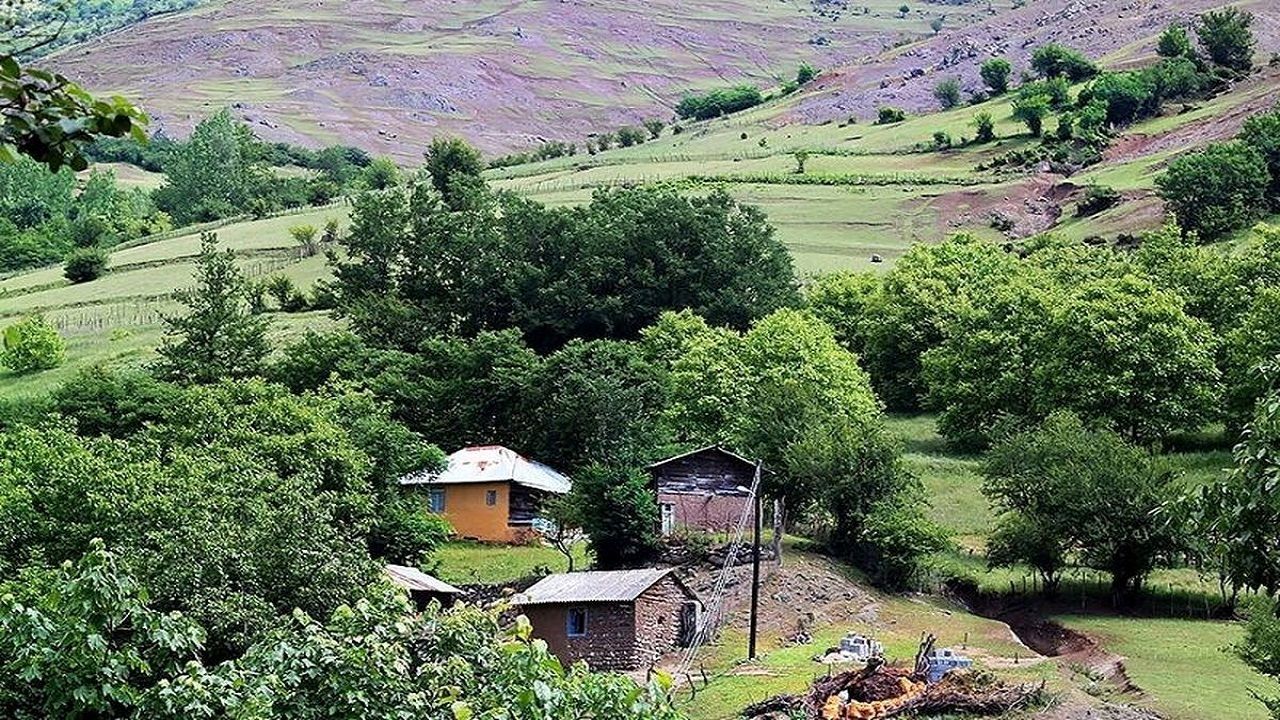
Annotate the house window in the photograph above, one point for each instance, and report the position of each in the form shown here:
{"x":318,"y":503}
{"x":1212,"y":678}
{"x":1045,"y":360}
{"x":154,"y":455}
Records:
{"x":491,"y":498}
{"x":435,"y":499}
{"x":576,"y":622}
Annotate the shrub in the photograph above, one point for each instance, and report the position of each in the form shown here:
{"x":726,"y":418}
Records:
{"x":286,"y":294}
{"x":887,"y":115}
{"x":936,"y":24}
{"x":1032,"y":111}
{"x":995,"y":73}
{"x":306,"y":237}
{"x":947,"y":93}
{"x":1096,"y":199}
{"x":719,"y":102}
{"x":1054,"y":60}
{"x":1227,"y":39}
{"x":654,"y":127}
{"x":31,"y":345}
{"x":1128,"y":96}
{"x":941,"y":140}
{"x":85,"y":264}
{"x":631,"y":135}
{"x":1056,"y":90}
{"x":984,"y":126}
{"x":805,"y":74}
{"x":903,"y":10}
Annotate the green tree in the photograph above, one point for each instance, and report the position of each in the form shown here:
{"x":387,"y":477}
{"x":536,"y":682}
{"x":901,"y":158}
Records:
{"x":32,"y":345}
{"x":382,"y":173}
{"x":454,"y":168}
{"x":802,"y":157}
{"x":995,"y":73}
{"x":630,"y":135}
{"x":1174,"y":42}
{"x":1165,"y":378}
{"x":1032,"y":111}
{"x":1227,"y":39}
{"x":1248,"y":349}
{"x":209,"y":176}
{"x":1062,"y":488}
{"x":85,"y":264}
{"x":947,"y":92}
{"x":1262,"y":133}
{"x":618,"y":513}
{"x":1054,"y":60}
{"x":218,"y":337}
{"x":1218,"y":190}
{"x":655,"y":127}
{"x":846,"y":302}
{"x":1260,"y":648}
{"x":984,"y":127}
{"x":887,"y":115}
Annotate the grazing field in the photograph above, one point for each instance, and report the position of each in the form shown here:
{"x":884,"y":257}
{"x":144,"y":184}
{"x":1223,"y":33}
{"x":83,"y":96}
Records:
{"x":463,"y":562}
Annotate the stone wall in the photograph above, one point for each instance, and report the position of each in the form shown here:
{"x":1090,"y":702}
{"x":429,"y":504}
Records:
{"x":658,"y":615}
{"x":609,"y":644}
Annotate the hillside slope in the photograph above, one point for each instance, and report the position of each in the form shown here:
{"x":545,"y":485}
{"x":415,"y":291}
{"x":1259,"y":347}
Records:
{"x":389,"y":74}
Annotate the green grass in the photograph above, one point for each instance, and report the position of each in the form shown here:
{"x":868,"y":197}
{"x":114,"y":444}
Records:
{"x":1182,"y":665}
{"x":471,"y":562}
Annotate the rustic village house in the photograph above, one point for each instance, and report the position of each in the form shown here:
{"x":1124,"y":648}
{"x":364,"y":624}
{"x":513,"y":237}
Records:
{"x":705,"y":489}
{"x":422,"y":588}
{"x":614,"y":620}
{"x":489,"y":492}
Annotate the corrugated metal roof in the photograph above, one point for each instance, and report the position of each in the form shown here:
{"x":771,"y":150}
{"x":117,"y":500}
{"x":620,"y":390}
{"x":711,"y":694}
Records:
{"x":589,"y":587}
{"x":708,"y":448}
{"x":416,"y":580}
{"x":493,"y":463}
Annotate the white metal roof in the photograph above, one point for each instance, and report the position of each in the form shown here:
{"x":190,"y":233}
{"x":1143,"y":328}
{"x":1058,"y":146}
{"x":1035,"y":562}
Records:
{"x":414,"y":579}
{"x":493,"y":463}
{"x":593,"y":586}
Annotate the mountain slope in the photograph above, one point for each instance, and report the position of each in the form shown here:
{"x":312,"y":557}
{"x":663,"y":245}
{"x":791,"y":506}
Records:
{"x":389,"y":74}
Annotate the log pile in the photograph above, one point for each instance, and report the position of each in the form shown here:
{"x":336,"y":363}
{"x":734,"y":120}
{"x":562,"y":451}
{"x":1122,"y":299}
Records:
{"x":885,"y":691}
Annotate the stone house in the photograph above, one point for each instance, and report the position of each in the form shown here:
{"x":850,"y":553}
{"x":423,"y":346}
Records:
{"x":613,"y":620}
{"x":705,"y":490}
{"x":489,"y":492}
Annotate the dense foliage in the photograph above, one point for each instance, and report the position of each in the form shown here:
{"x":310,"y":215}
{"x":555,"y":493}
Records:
{"x":420,"y":261}
{"x":32,"y":344}
{"x":721,"y":101}
{"x":1133,"y":342}
{"x":92,"y":645}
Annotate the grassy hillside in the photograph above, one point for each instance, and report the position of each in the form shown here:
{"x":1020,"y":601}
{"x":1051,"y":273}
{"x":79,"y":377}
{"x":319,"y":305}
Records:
{"x":388,"y":75}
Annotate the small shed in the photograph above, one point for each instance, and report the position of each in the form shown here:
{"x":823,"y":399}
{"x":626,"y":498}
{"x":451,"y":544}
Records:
{"x":489,"y":492}
{"x":705,"y":489}
{"x":422,"y":588}
{"x":613,"y":620}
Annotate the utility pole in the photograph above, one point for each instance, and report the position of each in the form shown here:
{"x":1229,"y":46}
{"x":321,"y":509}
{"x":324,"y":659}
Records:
{"x":755,"y":568}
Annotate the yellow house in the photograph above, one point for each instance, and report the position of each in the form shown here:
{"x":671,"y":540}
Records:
{"x":489,"y":492}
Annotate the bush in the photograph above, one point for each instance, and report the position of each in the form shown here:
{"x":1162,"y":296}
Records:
{"x":1054,"y":60}
{"x":286,"y":294}
{"x":631,"y":135}
{"x":1227,"y":39}
{"x":1057,"y":90}
{"x":719,"y":102}
{"x":805,"y":74}
{"x":654,"y":127}
{"x":1096,"y":199}
{"x":31,"y":345}
{"x":995,"y":73}
{"x":85,"y":264}
{"x":947,"y":93}
{"x":1262,"y":132}
{"x":307,"y":238}
{"x":1032,"y":111}
{"x":1218,"y":190}
{"x":887,"y":115}
{"x":941,"y":140}
{"x":985,"y":127}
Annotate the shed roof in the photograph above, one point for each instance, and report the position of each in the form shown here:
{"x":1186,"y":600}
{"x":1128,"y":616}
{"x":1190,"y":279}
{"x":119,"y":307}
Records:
{"x":415,"y":580}
{"x":707,"y":449}
{"x":492,"y":463}
{"x":593,"y":586}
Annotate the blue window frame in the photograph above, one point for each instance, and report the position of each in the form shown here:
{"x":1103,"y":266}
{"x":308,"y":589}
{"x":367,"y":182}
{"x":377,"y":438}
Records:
{"x":435,"y":499}
{"x":575,"y":622}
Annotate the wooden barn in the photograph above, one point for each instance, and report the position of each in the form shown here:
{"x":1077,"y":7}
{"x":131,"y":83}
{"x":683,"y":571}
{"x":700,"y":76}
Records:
{"x":613,"y":620}
{"x":489,"y":492}
{"x":704,"y":489}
